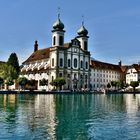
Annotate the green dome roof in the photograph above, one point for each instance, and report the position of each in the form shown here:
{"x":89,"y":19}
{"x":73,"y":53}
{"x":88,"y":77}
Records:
{"x":58,"y":24}
{"x":82,"y":31}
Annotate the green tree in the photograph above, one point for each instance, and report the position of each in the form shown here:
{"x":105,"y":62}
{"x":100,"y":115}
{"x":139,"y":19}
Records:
{"x":43,"y":82}
{"x":134,"y":84}
{"x":13,"y":61}
{"x":31,"y":84}
{"x":9,"y":82}
{"x":22,"y":81}
{"x":108,"y":85}
{"x":114,"y":84}
{"x":8,"y":73}
{"x":58,"y":82}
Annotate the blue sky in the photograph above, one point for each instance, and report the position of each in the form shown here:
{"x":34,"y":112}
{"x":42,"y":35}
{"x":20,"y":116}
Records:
{"x":113,"y":25}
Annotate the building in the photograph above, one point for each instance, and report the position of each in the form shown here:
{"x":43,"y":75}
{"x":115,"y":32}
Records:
{"x":133,"y":73}
{"x":103,"y":73}
{"x":69,"y":60}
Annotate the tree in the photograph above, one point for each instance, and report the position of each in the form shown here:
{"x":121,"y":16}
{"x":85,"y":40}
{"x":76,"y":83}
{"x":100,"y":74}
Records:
{"x":22,"y":81}
{"x":13,"y":61}
{"x":43,"y":82}
{"x":31,"y":84}
{"x":134,"y":84}
{"x":58,"y":82}
{"x":114,"y":83}
{"x":9,"y":82}
{"x":108,"y":85}
{"x":7,"y":73}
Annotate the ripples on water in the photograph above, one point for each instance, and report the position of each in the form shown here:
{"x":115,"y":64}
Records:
{"x":70,"y":117}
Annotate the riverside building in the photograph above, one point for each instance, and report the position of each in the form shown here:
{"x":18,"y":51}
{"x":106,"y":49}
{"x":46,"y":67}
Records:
{"x":69,"y":60}
{"x":133,"y":73}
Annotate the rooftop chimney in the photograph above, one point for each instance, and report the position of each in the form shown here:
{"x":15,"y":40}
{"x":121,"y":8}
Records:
{"x":35,"y":46}
{"x":120,"y":63}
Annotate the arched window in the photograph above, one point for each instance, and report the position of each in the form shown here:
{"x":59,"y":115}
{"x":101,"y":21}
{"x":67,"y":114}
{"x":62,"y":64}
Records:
{"x":69,"y":63}
{"x":86,"y":65}
{"x":75,"y":62}
{"x":52,"y":62}
{"x":85,"y":45}
{"x":81,"y":64}
{"x":61,"y":62}
{"x":61,"y":40}
{"x":54,"y":38}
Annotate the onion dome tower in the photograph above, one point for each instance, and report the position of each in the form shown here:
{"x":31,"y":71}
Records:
{"x":82,"y":37}
{"x":58,"y":33}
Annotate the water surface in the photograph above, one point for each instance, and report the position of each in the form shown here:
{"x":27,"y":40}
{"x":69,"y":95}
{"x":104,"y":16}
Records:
{"x":70,"y":117}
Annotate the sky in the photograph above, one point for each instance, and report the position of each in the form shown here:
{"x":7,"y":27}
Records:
{"x":113,"y":26}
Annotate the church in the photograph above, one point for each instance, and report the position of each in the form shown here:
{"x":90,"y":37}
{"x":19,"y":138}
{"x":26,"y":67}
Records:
{"x":69,"y":60}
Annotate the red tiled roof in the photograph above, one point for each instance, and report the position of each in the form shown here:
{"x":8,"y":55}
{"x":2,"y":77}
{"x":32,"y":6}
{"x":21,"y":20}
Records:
{"x":124,"y":68}
{"x":103,"y":65}
{"x":137,"y":67}
{"x":67,"y":45}
{"x":42,"y":54}
{"x":38,"y":55}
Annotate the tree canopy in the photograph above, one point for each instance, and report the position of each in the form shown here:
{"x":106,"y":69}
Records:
{"x":22,"y":81}
{"x":43,"y":82}
{"x":13,"y":61}
{"x":114,"y":83}
{"x":134,"y":84}
{"x":108,"y":85}
{"x":7,"y":72}
{"x":58,"y":82}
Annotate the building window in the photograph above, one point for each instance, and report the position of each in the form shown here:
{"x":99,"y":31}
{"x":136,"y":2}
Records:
{"x":52,"y":62}
{"x":81,"y":64}
{"x":86,"y":65}
{"x":60,"y":74}
{"x":69,"y":63}
{"x":75,"y":62}
{"x":61,"y":62}
{"x":61,"y":40}
{"x":85,"y":45}
{"x":54,"y":38}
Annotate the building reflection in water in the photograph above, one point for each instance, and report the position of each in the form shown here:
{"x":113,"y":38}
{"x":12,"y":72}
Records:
{"x":45,"y":109}
{"x":67,"y":116}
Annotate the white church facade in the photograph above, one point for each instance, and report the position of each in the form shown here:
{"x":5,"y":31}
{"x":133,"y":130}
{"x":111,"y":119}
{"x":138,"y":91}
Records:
{"x":69,"y":60}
